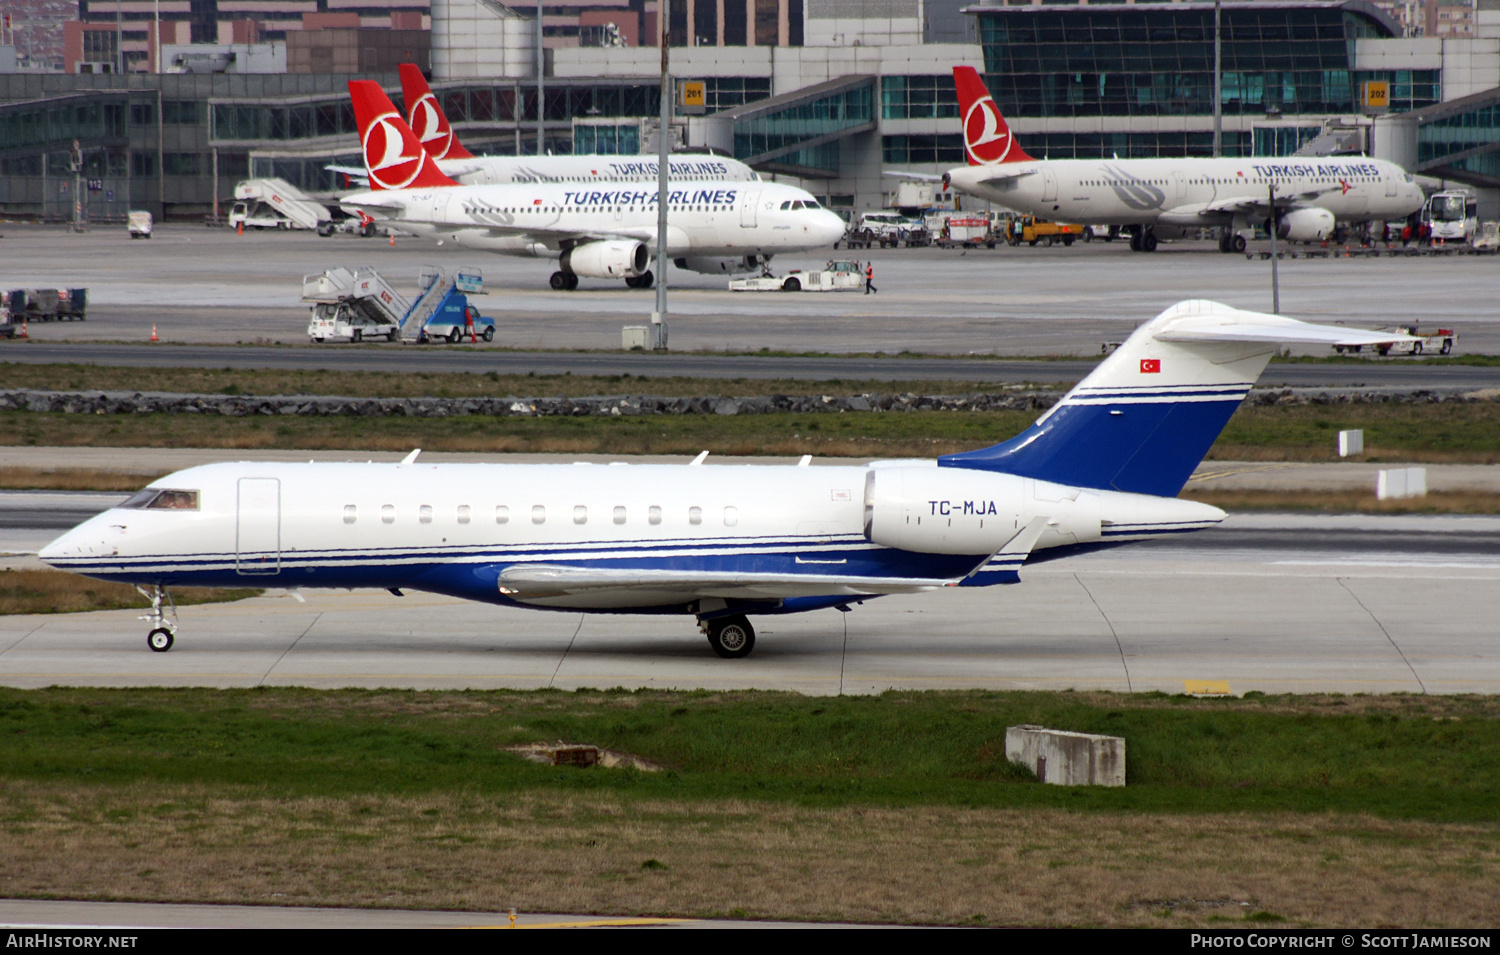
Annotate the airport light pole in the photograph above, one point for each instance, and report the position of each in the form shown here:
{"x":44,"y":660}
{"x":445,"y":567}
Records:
{"x":541,"y":86}
{"x":1275,"y":278}
{"x":659,"y":317}
{"x":1218,"y":85}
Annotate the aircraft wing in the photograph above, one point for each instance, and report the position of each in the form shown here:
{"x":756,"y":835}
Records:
{"x":913,"y":176}
{"x":998,"y":174}
{"x":547,"y":583}
{"x":1258,"y":205}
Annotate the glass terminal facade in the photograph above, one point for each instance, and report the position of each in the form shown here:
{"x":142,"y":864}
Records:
{"x":1157,"y":59}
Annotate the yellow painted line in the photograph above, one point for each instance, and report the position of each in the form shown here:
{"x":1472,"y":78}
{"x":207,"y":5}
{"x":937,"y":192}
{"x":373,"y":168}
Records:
{"x":1206,"y":687}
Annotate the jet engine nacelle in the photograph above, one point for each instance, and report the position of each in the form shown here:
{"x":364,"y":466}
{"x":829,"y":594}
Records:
{"x":719,"y":266}
{"x":1305,"y":225}
{"x":940,"y":510}
{"x":617,"y":259}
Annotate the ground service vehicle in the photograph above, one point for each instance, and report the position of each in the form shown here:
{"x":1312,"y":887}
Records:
{"x":140,"y":224}
{"x":1031,"y":230}
{"x":1450,"y":217}
{"x":1419,"y":343}
{"x":46,"y":304}
{"x":275,"y":204}
{"x":887,"y":230}
{"x":836,"y":276}
{"x":968,"y":231}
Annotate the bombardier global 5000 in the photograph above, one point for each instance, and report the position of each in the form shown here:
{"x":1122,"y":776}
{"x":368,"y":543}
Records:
{"x":1173,"y":197}
{"x":720,"y":544}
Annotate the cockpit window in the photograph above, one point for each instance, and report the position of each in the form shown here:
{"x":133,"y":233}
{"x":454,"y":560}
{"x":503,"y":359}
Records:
{"x":812,"y":204}
{"x":162,"y":499}
{"x":786,"y":205}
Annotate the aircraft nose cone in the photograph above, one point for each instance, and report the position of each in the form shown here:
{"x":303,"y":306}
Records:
{"x":830,"y":227}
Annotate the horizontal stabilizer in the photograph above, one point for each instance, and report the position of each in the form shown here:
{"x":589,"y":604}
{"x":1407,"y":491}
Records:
{"x":1237,"y":326}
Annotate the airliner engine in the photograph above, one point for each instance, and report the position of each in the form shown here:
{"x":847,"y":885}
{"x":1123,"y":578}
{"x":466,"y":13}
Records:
{"x":1305,"y":225}
{"x":720,"y":266}
{"x":616,"y":259}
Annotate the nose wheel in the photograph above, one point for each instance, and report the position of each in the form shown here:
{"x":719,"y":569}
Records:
{"x":731,"y":637}
{"x":162,"y":629}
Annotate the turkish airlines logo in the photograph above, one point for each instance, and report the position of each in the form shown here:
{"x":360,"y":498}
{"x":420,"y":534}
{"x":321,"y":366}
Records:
{"x":431,"y":126}
{"x":392,"y":159}
{"x":985,"y":134}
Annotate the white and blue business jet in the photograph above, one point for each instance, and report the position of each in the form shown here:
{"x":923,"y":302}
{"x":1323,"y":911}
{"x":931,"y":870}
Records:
{"x":719,"y":543}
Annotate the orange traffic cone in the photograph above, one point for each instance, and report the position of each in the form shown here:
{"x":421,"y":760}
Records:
{"x":393,"y":239}
{"x":24,"y":332}
{"x":239,"y":227}
{"x":153,"y":333}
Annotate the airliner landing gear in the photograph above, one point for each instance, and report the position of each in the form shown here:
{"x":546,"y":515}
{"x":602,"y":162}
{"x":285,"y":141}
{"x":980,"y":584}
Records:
{"x":162,"y":629}
{"x":731,"y":637}
{"x":645,"y":280}
{"x":564,"y":281}
{"x":1231,"y":241}
{"x":1143,"y":240}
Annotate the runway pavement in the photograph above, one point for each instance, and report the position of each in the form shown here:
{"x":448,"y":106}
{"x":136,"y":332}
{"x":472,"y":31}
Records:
{"x":209,"y":285}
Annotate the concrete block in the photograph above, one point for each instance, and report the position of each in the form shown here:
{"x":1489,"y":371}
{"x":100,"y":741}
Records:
{"x":1394,"y":483}
{"x":1064,"y":758}
{"x":1351,"y":442}
{"x":635,"y":336}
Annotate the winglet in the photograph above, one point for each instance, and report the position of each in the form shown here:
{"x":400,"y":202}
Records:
{"x":394,"y":159}
{"x":987,"y":138}
{"x":426,"y":117}
{"x":1008,"y":559}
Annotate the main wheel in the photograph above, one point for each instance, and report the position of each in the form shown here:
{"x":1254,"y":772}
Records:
{"x":489,"y":333}
{"x":159,"y":640}
{"x":572,"y":281}
{"x":1148,"y":242}
{"x":647,"y":279}
{"x":559,"y":282}
{"x":731,"y":637}
{"x":1237,"y":243}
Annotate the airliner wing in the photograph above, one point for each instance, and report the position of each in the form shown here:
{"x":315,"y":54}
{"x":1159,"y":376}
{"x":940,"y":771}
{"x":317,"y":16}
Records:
{"x":913,"y":176}
{"x":530,"y":583}
{"x":1258,"y":205}
{"x":998,"y":174}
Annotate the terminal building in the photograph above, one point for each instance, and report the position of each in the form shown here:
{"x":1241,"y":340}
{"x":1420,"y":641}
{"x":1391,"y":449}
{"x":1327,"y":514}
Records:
{"x":828,"y":94}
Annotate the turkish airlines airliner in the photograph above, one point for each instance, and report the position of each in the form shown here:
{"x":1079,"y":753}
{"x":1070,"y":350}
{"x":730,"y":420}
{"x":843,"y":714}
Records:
{"x":719,"y":544}
{"x":598,"y":231}
{"x":1170,"y":198}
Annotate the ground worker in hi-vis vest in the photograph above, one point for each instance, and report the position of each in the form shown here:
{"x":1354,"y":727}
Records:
{"x":870,"y":278}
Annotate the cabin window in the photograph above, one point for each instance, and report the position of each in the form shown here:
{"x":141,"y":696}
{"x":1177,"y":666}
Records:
{"x":351,"y":513}
{"x":695,"y":515}
{"x":463,"y":513}
{"x":619,"y":515}
{"x":502,"y":514}
{"x":731,"y":516}
{"x":654,"y":515}
{"x":580,"y":514}
{"x":424,"y":513}
{"x":387,"y":513}
{"x":538,"y":514}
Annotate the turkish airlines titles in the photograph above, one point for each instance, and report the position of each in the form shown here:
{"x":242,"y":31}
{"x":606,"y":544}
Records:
{"x":686,"y":170}
{"x":1332,"y":169}
{"x":706,"y":197}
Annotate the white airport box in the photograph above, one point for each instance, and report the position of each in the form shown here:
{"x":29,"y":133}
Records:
{"x":1351,"y":442}
{"x":635,"y":336}
{"x":1396,"y":483}
{"x":1065,"y":758}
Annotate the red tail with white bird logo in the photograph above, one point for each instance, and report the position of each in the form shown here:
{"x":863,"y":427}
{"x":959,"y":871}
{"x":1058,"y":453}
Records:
{"x":394,"y":158}
{"x":426,"y":118}
{"x":987,"y":140}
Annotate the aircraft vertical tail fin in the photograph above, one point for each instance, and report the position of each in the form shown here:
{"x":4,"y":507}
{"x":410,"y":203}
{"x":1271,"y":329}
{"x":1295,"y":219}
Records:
{"x":394,"y":159}
{"x":987,"y":138}
{"x":1147,"y":415}
{"x":426,"y":117}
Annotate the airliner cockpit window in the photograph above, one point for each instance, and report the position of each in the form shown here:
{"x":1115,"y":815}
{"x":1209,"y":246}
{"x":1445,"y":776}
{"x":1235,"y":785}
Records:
{"x":172,"y":500}
{"x":140,"y":498}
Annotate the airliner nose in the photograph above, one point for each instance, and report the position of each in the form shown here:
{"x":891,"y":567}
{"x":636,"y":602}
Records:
{"x":829,"y":228}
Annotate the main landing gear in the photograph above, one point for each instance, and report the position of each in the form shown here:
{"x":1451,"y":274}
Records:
{"x":731,"y":637}
{"x":1231,"y":241}
{"x":644,"y":280}
{"x":162,"y":629}
{"x":568,"y":281}
{"x":1143,"y":239}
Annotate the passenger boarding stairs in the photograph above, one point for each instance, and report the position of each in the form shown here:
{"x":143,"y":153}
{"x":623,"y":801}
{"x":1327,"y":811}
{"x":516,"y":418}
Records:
{"x":363,"y":286}
{"x":437,"y":287}
{"x":285,"y":198}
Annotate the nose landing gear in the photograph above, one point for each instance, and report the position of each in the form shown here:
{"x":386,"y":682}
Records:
{"x":162,"y":629}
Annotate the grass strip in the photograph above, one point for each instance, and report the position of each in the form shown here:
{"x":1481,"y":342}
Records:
{"x":1347,"y":501}
{"x":1448,"y":432}
{"x":1280,"y":810}
{"x":73,"y":479}
{"x":444,"y":384}
{"x":55,"y":591}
